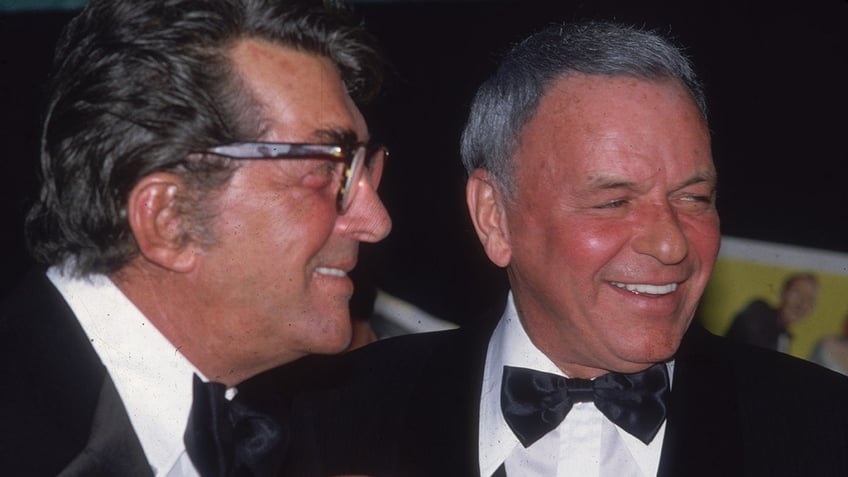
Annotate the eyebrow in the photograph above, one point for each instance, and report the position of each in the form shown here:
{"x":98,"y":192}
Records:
{"x":604,"y":182}
{"x":609,"y":183}
{"x":710,"y":177}
{"x":335,"y":136}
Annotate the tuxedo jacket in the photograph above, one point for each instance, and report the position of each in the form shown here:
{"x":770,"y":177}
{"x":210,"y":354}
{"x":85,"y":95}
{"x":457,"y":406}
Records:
{"x":60,"y":413}
{"x":409,"y":406}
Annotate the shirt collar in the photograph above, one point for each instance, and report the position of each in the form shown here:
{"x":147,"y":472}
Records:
{"x":152,"y":377}
{"x":510,"y":345}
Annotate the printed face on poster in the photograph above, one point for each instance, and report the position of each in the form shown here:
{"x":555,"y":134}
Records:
{"x":749,"y":270}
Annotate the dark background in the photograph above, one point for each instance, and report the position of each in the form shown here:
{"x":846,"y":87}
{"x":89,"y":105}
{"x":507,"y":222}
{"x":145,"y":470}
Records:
{"x":775,"y":74}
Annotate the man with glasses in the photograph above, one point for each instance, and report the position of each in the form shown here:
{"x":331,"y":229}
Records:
{"x":207,"y":180}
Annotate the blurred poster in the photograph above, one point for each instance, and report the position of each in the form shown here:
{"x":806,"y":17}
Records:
{"x":748,"y":271}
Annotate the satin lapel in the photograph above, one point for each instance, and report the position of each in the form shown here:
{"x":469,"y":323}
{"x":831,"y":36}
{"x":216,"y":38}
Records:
{"x":56,"y":375}
{"x":113,"y":447}
{"x":703,"y":433}
{"x":51,"y":375}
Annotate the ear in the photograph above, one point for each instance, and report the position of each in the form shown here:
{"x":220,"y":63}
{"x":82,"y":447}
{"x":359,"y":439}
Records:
{"x":486,"y":205}
{"x":157,"y":224}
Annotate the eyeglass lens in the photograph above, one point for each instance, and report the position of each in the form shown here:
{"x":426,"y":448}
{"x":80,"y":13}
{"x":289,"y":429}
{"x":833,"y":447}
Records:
{"x":360,"y":165}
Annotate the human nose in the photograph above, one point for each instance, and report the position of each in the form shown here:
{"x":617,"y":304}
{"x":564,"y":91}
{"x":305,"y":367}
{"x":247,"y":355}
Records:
{"x":366,"y":219}
{"x":662,"y":236}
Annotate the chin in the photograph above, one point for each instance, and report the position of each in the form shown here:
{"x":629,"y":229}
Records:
{"x":335,"y":340}
{"x":330,"y":338}
{"x":331,"y":344}
{"x":650,"y":350}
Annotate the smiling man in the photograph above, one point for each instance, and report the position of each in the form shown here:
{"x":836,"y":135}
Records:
{"x":610,"y":231}
{"x":208,"y":178}
{"x":591,"y":181}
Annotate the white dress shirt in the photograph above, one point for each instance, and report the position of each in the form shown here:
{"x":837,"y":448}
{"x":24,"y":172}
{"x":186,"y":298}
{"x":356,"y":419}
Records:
{"x":585,"y":444}
{"x":153,"y":379}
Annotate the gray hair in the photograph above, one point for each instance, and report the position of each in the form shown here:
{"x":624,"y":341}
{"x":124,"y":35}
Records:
{"x":509,"y":98}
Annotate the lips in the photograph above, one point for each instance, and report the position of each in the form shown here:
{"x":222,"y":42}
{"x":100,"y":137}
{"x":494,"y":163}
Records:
{"x":646,"y":289}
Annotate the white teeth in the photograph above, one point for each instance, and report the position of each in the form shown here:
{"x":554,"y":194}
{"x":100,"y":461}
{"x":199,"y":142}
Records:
{"x":647,"y":289}
{"x":334,"y":272}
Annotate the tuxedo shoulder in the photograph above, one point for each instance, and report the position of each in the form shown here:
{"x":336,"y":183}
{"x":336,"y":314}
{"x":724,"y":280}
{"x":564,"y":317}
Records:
{"x":794,"y":381}
{"x":737,"y":406}
{"x":373,"y":410}
{"x":408,"y":349}
{"x":765,"y":371}
{"x":382,"y":360}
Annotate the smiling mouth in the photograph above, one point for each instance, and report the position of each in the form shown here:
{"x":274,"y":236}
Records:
{"x":333,"y":272}
{"x":645,"y":289}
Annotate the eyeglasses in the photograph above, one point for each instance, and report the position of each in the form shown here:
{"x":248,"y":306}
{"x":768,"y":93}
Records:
{"x":357,"y":158}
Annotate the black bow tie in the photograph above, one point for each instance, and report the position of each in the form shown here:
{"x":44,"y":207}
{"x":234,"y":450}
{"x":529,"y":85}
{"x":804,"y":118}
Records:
{"x":534,"y":402}
{"x":226,"y":438}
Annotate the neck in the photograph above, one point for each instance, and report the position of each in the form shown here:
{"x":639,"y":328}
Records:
{"x":180,"y":311}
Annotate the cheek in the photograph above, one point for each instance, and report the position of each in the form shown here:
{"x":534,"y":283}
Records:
{"x":563,"y":243}
{"x":597,"y":243}
{"x":704,"y":235}
{"x":301,"y":223}
{"x":594,"y":244}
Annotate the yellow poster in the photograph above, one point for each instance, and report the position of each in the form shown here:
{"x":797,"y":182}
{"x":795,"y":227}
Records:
{"x":749,"y":270}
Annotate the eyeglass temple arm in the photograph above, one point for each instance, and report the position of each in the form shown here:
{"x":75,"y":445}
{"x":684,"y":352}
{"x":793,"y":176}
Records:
{"x":256,"y":150}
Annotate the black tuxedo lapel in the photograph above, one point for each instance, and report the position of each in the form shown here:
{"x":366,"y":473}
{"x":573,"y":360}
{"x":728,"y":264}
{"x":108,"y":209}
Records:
{"x":112,"y":448}
{"x":52,"y":383}
{"x":741,"y":410}
{"x":703,"y":432}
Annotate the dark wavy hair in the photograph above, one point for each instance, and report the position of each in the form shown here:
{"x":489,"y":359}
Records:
{"x":138,"y":85}
{"x":509,"y":98}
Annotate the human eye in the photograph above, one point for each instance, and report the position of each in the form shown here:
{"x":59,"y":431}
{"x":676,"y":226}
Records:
{"x":697,"y":200}
{"x":612,"y":204}
{"x":704,"y":199}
